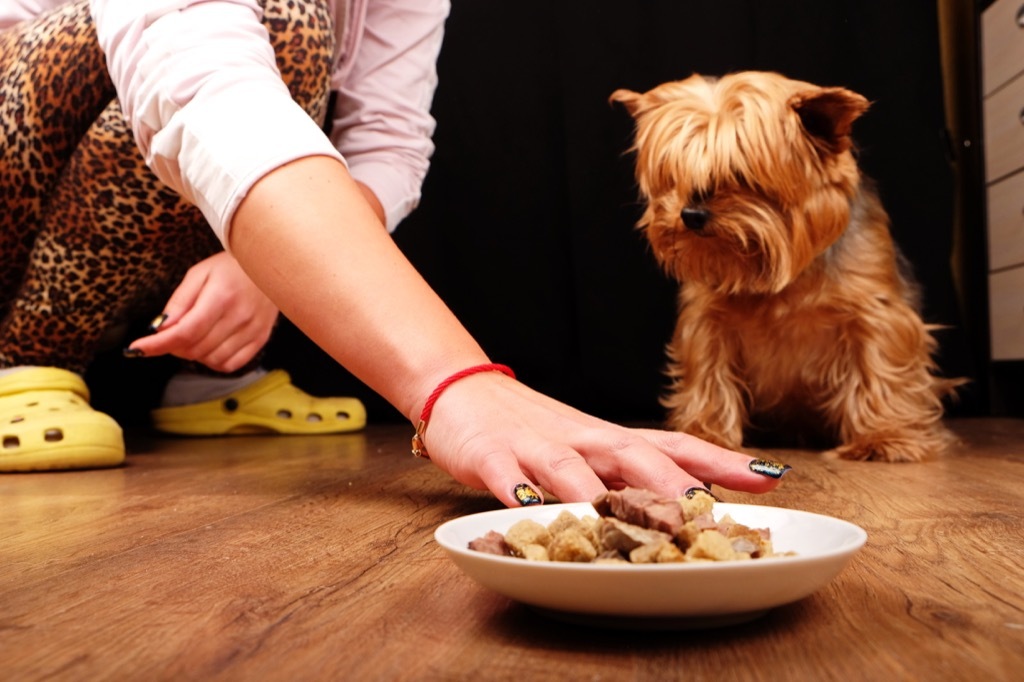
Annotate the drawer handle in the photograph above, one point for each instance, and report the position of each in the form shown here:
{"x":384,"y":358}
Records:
{"x":1020,"y":17}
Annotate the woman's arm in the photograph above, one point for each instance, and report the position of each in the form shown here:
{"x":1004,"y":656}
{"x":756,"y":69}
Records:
{"x":309,"y":240}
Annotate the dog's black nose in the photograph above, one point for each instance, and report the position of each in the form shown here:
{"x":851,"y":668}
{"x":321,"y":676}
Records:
{"x":695,"y":218}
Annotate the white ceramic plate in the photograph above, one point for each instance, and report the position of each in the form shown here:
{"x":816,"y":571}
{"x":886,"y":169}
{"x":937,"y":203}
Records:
{"x":661,"y":595}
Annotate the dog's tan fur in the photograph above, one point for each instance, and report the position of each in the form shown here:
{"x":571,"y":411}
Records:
{"x":794,"y":309}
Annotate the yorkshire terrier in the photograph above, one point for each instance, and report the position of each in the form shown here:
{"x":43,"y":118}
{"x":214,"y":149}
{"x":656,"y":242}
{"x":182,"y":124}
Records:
{"x":797,"y":313}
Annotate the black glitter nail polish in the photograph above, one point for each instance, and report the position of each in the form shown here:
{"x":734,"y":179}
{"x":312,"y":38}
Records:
{"x":157,"y":322}
{"x":691,"y":492}
{"x":526,"y":495}
{"x":767,"y":467}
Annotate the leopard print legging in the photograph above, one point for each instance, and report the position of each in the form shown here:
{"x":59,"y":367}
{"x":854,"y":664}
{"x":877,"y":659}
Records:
{"x":89,"y":238}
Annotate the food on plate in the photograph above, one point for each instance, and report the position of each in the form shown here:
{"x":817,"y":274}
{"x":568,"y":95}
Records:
{"x":634,"y":526}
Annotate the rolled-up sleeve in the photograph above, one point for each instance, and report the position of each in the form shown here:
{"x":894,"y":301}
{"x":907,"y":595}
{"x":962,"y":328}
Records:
{"x":199,"y":85}
{"x":15,"y":11}
{"x":382,"y":122}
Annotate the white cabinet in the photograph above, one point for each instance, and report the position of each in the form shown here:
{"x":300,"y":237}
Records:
{"x":1002,"y":78}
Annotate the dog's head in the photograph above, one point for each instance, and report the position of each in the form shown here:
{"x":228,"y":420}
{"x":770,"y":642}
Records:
{"x":746,"y":178}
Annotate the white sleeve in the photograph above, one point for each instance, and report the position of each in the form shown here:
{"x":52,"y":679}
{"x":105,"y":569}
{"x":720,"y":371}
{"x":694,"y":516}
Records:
{"x":15,"y":11}
{"x":382,"y":123}
{"x":199,"y":85}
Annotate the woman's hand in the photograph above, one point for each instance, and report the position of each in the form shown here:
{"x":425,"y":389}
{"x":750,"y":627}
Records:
{"x":216,"y":316}
{"x":489,"y":431}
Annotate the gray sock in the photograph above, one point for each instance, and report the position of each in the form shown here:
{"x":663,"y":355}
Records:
{"x":12,"y":370}
{"x":186,"y":388}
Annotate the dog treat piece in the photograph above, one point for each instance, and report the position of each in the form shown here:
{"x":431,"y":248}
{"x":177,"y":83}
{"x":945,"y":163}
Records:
{"x":526,"y":536}
{"x":657,"y":553}
{"x":568,"y":523}
{"x":571,"y":545}
{"x":635,"y":526}
{"x":610,"y":557}
{"x":753,"y":541}
{"x":700,"y":503}
{"x":535,"y":553}
{"x":713,"y":546}
{"x":691,"y":529}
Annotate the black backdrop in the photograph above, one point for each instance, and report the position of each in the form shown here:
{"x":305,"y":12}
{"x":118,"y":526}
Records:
{"x":526,"y":224}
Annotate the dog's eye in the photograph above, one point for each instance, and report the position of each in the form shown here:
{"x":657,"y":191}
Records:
{"x":699,"y":197}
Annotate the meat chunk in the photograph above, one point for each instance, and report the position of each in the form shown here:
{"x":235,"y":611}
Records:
{"x":625,"y":537}
{"x":492,"y":543}
{"x":641,"y":508}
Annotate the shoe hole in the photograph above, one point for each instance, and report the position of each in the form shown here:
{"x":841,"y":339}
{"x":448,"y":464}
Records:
{"x":314,"y":418}
{"x":11,"y":442}
{"x":17,"y":419}
{"x":343,"y":416}
{"x":53,"y":435}
{"x":284,"y":414}
{"x":230,"y":404}
{"x":32,"y":404}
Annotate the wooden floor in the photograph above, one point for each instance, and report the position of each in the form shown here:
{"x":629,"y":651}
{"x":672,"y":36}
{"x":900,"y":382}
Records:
{"x":312,"y":558}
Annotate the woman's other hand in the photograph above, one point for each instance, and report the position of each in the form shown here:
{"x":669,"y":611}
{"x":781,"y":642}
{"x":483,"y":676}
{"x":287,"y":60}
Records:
{"x":216,"y":316}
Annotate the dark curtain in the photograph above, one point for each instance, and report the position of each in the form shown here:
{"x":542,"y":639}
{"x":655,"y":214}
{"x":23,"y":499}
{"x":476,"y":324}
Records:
{"x":526,"y":226}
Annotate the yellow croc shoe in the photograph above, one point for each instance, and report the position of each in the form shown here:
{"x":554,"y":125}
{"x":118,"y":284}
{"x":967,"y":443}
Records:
{"x":46,"y":423}
{"x":269,"y":405}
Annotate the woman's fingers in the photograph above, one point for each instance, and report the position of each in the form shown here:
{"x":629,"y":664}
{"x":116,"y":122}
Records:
{"x":500,"y":473}
{"x":522,"y":480}
{"x":563,"y":471}
{"x":536,"y":440}
{"x":720,"y":465}
{"x":223,"y":345}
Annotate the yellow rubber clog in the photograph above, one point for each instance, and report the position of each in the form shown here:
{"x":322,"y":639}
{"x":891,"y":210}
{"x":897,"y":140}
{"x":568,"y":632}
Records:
{"x":270,"y":405}
{"x":46,"y":423}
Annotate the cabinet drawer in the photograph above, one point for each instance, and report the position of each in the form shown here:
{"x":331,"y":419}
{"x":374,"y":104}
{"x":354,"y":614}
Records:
{"x":1002,"y":54}
{"x":1006,"y":303}
{"x":1006,"y":223}
{"x":1004,"y":130}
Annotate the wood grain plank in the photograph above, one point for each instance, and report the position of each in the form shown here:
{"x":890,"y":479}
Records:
{"x":277,"y":558}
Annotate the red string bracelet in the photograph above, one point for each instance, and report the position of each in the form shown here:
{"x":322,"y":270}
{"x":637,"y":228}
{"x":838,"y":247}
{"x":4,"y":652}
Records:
{"x":419,"y":447}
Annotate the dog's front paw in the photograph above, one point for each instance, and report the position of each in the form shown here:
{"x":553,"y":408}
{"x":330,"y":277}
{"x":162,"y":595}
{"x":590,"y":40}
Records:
{"x":917,"y":446}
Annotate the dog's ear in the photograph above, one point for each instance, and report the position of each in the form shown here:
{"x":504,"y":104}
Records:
{"x":827,"y":114}
{"x":633,"y":101}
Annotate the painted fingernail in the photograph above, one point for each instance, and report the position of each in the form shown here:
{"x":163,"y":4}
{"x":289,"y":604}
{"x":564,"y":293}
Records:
{"x":526,"y":495}
{"x":767,"y":467}
{"x":692,"y":492}
{"x":157,"y":322}
{"x":132,"y":353}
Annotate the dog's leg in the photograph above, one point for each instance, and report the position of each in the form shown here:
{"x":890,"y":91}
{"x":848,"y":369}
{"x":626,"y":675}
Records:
{"x":706,"y":398}
{"x":887,"y":403}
